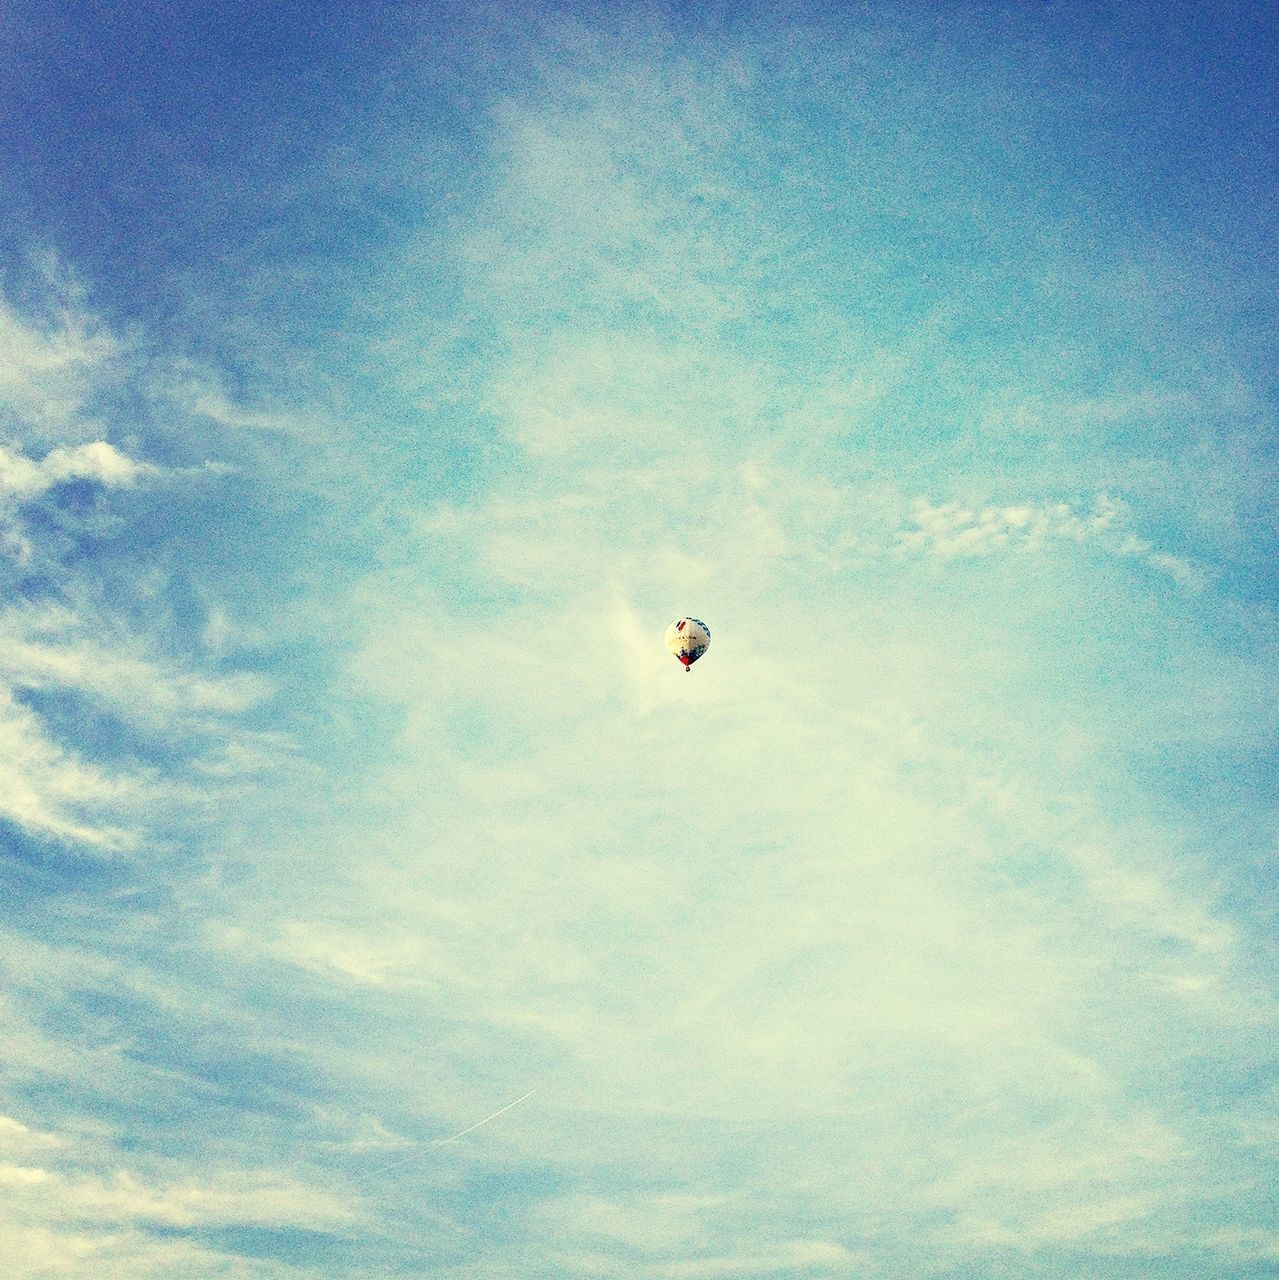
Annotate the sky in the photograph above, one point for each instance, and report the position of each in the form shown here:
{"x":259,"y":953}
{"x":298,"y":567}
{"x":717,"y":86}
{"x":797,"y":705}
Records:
{"x":380,"y":899}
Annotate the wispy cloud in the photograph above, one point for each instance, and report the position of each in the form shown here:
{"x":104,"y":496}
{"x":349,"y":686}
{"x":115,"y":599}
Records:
{"x":50,"y":791}
{"x":58,"y":638}
{"x":199,"y":392}
{"x":22,"y":479}
{"x":947,"y":530}
{"x":52,"y":647}
{"x":59,"y":1219}
{"x":914,"y":933}
{"x":48,"y":369}
{"x":874,"y":868}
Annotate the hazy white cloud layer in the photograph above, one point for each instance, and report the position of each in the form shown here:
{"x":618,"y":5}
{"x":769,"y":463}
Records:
{"x":925,"y":928}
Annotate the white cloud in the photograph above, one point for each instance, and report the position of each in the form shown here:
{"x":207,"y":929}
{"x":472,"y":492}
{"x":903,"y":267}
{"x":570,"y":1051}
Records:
{"x":347,"y":953}
{"x":1055,"y":418}
{"x":857,"y":879}
{"x":1246,"y":1245}
{"x":49,"y":791}
{"x":63,"y":1224}
{"x":950,"y":530}
{"x":244,"y":753}
{"x":53,"y":648}
{"x":240,"y":1197}
{"x":784,"y":874}
{"x":17,"y":1139}
{"x":667,"y":1234}
{"x":47,"y":372}
{"x":38,"y":1253}
{"x":788,"y":1258}
{"x":827,"y":893}
{"x":84,"y":1195}
{"x":615,"y":389}
{"x":652,"y":1224}
{"x":199,"y":391}
{"x":866,"y":922}
{"x":56,"y":377}
{"x":23,"y":480}
{"x":96,"y":461}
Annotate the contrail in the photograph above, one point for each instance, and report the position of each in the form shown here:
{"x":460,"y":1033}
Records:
{"x":444,"y":1142}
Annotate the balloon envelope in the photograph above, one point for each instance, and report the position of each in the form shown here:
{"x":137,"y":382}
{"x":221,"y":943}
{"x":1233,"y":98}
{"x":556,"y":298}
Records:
{"x":687,"y":639}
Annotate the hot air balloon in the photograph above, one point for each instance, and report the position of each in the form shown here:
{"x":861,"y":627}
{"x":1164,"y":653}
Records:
{"x":687,"y":639}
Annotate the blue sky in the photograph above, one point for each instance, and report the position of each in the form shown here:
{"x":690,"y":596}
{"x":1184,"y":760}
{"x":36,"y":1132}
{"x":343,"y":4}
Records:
{"x":375,"y":386}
